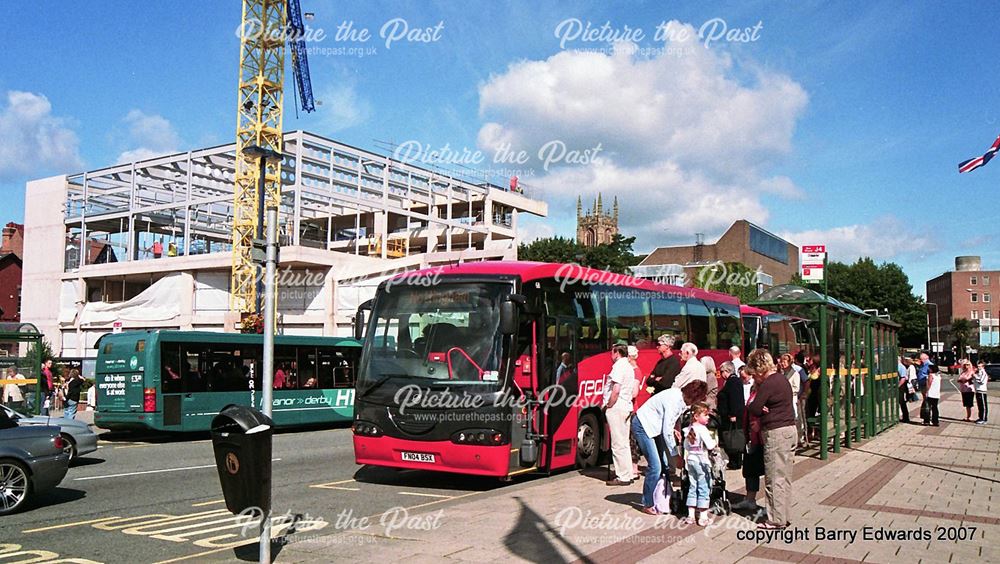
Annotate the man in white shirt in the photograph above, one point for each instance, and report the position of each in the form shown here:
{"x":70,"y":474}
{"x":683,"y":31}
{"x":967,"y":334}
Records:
{"x":692,"y":369}
{"x":618,"y":392}
{"x":735,"y":356}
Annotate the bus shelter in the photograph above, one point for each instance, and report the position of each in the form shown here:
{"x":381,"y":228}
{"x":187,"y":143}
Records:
{"x":858,"y":355}
{"x":19,"y":369}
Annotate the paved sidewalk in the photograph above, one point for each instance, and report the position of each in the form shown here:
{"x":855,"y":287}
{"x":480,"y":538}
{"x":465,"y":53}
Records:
{"x":913,"y":494}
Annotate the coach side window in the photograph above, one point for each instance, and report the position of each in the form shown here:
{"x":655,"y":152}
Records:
{"x":700,"y":325}
{"x":628,"y":318}
{"x":668,"y":318}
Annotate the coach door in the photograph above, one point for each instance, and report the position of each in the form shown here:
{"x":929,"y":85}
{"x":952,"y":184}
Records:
{"x":559,"y":384}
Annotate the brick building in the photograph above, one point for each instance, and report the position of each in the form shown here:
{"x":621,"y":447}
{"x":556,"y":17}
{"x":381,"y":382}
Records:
{"x":967,"y":292}
{"x":743,"y":242}
{"x":11,"y":253}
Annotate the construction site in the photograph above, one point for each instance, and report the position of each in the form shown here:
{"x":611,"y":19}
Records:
{"x":149,"y":244}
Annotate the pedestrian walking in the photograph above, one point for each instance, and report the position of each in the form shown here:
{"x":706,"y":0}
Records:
{"x":981,"y":400}
{"x":773,"y":404}
{"x":712,"y":379}
{"x":786,"y":365}
{"x":929,"y":413}
{"x":74,"y":385}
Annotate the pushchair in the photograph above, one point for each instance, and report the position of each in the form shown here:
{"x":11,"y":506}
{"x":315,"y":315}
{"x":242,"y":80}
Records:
{"x":718,"y":499}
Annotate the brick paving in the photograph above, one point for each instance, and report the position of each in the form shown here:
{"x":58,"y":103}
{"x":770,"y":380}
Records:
{"x":913,"y":494}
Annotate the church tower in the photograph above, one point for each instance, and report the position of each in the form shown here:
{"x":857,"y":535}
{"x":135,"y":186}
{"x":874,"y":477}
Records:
{"x":596,"y":226}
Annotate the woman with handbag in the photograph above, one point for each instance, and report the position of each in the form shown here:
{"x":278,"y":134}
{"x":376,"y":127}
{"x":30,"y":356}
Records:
{"x":732,"y":401}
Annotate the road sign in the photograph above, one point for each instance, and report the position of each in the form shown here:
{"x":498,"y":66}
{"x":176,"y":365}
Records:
{"x":812,"y":272}
{"x":813,"y":258}
{"x":937,"y":347}
{"x":116,"y":327}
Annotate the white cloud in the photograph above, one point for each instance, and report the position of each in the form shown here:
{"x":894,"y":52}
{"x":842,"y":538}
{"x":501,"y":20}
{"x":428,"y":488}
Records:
{"x":151,"y":134}
{"x":35,"y":141}
{"x":886,"y":238}
{"x":342,"y":107}
{"x":529,"y":229}
{"x":685,"y":144}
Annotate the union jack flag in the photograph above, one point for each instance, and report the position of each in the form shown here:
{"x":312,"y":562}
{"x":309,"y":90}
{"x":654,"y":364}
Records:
{"x":973,"y":164}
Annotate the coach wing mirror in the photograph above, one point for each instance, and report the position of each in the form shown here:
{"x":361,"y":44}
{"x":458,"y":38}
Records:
{"x":508,"y":317}
{"x":359,"y":320}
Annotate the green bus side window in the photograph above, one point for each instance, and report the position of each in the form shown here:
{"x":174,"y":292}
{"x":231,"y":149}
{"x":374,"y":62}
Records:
{"x":140,"y":346}
{"x":107,"y":348}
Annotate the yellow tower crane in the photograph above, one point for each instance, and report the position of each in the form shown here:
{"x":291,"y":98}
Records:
{"x":267,"y":26}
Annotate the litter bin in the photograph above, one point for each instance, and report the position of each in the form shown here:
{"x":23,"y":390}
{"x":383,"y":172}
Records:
{"x":241,"y":438}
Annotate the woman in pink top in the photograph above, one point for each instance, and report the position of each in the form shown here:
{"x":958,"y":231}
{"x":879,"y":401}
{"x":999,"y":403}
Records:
{"x":966,"y":385}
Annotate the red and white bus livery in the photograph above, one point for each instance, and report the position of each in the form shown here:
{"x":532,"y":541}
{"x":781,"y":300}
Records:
{"x":497,"y":368}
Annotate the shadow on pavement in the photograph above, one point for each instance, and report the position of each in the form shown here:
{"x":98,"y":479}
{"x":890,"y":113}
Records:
{"x":58,"y":496}
{"x":251,"y":552}
{"x":528,"y":538}
{"x":433,"y":480}
{"x":85,"y":461}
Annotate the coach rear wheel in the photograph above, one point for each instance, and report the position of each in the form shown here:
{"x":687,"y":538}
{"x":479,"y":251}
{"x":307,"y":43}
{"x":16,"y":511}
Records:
{"x":588,"y":441}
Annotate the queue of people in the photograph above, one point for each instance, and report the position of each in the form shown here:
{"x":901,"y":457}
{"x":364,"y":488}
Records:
{"x":762,"y":410}
{"x":56,"y":392}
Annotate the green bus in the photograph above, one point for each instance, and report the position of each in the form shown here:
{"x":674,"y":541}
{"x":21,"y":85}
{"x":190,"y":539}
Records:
{"x":179,"y":380}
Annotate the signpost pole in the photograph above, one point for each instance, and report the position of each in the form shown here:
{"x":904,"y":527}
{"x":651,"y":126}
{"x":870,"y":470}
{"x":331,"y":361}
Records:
{"x":268,"y":383}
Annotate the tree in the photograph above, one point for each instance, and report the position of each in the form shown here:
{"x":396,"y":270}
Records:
{"x":615,"y":256}
{"x":961,"y":331}
{"x":733,"y":278}
{"x":39,"y":353}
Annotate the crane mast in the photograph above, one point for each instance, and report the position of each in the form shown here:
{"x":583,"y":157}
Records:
{"x":264,"y":32}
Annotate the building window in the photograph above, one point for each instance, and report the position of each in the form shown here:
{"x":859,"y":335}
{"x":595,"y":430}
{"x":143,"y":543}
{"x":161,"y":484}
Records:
{"x":972,"y":281}
{"x":986,"y":279}
{"x":768,"y":245}
{"x":986,"y":297}
{"x":975,"y":314}
{"x":974,"y":297}
{"x":986,"y":314}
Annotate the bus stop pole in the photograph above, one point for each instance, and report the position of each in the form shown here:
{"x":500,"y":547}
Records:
{"x":268,"y":383}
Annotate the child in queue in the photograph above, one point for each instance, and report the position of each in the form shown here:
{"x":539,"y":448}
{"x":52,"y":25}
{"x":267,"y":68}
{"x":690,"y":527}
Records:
{"x":698,"y":442}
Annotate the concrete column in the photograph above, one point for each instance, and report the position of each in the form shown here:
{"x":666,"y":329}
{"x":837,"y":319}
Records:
{"x":44,"y":249}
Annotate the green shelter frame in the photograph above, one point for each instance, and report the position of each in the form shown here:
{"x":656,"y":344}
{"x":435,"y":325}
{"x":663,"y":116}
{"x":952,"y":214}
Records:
{"x":16,"y":332}
{"x":858,"y":364}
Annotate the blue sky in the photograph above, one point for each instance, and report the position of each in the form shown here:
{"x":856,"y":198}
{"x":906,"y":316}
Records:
{"x":838,"y":124}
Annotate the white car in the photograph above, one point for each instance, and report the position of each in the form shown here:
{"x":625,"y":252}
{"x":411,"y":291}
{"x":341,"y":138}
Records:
{"x":77,"y":436}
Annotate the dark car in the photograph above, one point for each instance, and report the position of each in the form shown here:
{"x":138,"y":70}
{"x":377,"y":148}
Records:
{"x":32,"y":461}
{"x":993,"y":371}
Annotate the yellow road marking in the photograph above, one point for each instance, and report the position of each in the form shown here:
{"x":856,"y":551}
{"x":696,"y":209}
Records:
{"x":190,"y":556}
{"x":328,"y":484}
{"x":439,"y":501}
{"x":66,"y":525}
{"x":135,"y":446}
{"x":426,"y":494}
{"x":204,"y":503}
{"x":342,"y":488}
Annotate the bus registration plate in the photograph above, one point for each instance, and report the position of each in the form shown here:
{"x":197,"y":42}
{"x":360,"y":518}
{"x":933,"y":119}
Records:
{"x":418,"y":457}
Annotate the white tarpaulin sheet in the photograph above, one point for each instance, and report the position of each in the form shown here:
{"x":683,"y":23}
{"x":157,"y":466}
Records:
{"x":67,"y":302}
{"x":159,"y":302}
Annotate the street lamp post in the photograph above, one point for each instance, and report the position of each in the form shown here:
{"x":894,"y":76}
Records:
{"x":266,"y":302}
{"x":937,"y":324}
